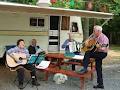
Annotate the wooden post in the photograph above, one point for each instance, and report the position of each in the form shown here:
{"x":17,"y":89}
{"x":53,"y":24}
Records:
{"x":82,"y":83}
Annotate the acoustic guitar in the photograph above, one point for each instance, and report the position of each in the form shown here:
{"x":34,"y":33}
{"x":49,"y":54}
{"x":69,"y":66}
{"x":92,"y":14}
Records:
{"x":89,"y":45}
{"x":16,"y":59}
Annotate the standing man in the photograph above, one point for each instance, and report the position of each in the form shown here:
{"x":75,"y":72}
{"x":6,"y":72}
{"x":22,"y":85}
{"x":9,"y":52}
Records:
{"x":99,"y":54}
{"x":20,"y":48}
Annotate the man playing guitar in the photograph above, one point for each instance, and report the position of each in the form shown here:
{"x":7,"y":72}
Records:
{"x":20,"y":49}
{"x":99,"y":54}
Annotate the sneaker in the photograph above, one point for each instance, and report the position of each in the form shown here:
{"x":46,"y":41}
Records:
{"x":20,"y":86}
{"x":98,"y":86}
{"x":35,"y":83}
{"x":82,"y":71}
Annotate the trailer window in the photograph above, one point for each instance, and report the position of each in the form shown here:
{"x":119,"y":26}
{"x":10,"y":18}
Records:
{"x":33,"y":21}
{"x":65,"y":23}
{"x":36,"y":22}
{"x":74,"y":27}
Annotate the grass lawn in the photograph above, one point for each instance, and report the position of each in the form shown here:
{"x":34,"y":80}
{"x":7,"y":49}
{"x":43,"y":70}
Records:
{"x":115,"y":47}
{"x":113,"y":55}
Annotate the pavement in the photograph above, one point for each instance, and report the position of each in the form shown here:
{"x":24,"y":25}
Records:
{"x":111,"y":75}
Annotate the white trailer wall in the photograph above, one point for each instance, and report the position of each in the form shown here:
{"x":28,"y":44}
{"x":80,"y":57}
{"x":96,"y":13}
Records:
{"x":78,"y":36}
{"x":10,"y":23}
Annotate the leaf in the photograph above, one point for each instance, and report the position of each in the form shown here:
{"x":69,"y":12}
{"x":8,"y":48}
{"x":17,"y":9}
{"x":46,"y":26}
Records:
{"x":117,"y":1}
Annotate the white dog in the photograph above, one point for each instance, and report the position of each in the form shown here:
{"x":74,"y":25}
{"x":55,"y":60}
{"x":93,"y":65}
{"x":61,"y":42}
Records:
{"x":60,"y":78}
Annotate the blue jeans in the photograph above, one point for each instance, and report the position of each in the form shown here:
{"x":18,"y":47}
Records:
{"x":99,"y":56}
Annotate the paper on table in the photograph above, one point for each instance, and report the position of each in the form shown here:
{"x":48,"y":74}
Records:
{"x":43,"y":65}
{"x":78,"y":57}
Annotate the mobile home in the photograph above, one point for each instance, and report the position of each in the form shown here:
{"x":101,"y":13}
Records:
{"x":46,"y":24}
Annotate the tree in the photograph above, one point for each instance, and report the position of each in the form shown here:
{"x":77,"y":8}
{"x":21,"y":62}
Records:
{"x":111,"y":29}
{"x":115,"y":7}
{"x":72,"y":4}
{"x":88,"y":6}
{"x":112,"y":6}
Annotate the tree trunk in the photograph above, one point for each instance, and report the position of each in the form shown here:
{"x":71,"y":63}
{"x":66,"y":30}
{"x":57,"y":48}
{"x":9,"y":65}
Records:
{"x":86,"y":29}
{"x":111,"y":37}
{"x":88,"y":6}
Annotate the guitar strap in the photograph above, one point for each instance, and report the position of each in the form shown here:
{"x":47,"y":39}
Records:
{"x":104,"y":45}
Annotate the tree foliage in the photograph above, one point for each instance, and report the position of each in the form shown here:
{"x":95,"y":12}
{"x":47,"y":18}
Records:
{"x":114,"y":25}
{"x":72,"y":4}
{"x":113,"y":6}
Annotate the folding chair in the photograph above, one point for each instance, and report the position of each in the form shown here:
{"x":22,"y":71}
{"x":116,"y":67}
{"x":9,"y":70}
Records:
{"x":25,"y":80}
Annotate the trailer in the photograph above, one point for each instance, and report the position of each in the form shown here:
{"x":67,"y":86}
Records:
{"x":48,"y":25}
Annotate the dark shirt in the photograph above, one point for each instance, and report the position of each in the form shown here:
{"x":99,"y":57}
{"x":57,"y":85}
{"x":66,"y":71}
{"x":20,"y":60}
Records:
{"x":32,"y":49}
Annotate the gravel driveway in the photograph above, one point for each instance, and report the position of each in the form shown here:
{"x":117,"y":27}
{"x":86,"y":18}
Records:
{"x":111,"y":75}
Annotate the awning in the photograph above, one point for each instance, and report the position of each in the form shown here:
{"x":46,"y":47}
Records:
{"x":22,"y":8}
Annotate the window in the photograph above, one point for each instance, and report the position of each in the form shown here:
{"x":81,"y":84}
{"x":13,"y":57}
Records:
{"x":36,"y":22}
{"x":74,"y":27}
{"x":33,"y":22}
{"x":65,"y":23}
{"x":41,"y":22}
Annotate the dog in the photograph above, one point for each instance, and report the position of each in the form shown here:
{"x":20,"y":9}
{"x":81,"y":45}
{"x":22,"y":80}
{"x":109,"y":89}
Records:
{"x":60,"y":78}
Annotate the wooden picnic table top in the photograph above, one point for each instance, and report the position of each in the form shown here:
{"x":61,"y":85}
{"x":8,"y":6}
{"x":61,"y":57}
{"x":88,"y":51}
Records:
{"x":60,"y":59}
{"x":55,"y":55}
{"x":62,"y":56}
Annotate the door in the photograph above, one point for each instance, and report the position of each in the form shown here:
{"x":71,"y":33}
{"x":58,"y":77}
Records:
{"x":54,"y":32}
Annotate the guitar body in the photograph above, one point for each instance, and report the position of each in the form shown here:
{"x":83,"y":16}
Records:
{"x":12,"y":61}
{"x":88,"y":45}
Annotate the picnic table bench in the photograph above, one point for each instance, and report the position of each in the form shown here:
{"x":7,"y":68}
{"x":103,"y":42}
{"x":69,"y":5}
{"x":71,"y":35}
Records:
{"x":56,"y":68}
{"x":71,"y":73}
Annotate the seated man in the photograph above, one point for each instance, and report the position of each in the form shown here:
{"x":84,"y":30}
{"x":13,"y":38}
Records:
{"x":35,"y":51}
{"x":20,"y":48}
{"x":33,"y":48}
{"x":74,"y":49}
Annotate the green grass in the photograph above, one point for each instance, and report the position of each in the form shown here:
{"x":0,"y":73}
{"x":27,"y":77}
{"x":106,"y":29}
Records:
{"x":115,"y":47}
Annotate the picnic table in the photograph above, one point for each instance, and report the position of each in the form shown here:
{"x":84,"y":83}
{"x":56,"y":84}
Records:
{"x":60,"y":57}
{"x":56,"y":67}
